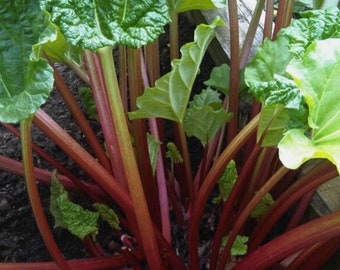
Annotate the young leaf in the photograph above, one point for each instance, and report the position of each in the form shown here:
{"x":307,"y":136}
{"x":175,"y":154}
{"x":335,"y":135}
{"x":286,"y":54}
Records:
{"x":96,"y":24}
{"x":219,"y":78}
{"x":169,"y":98}
{"x":317,"y":78}
{"x":226,"y":182}
{"x":173,"y":153}
{"x":26,"y":79}
{"x":108,"y":215}
{"x":71,"y":216}
{"x":205,"y":116}
{"x":239,"y":247}
{"x":261,"y":209}
{"x":153,"y":147}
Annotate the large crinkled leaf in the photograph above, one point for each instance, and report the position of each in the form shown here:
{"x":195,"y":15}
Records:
{"x":205,"y":116}
{"x":317,"y":76}
{"x":266,"y":74}
{"x":71,"y":216}
{"x":96,"y":24}
{"x":169,"y":98}
{"x":26,"y":79}
{"x":267,"y":78}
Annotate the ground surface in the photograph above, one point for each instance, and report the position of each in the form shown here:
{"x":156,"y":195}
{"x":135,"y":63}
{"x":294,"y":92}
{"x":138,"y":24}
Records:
{"x":20,"y":240}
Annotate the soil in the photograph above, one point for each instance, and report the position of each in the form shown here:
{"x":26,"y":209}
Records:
{"x":20,"y":240}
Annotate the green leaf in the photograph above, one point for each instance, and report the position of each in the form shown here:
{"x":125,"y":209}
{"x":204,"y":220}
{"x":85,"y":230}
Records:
{"x":108,"y":215}
{"x":261,"y":209}
{"x":186,"y":5}
{"x":239,"y":247}
{"x":153,"y":147}
{"x":205,"y":116}
{"x":226,"y":182}
{"x":317,"y":76}
{"x":59,"y":50}
{"x":96,"y":24}
{"x":26,"y":79}
{"x":71,"y":216}
{"x":219,"y":78}
{"x":266,"y":74}
{"x":173,"y":153}
{"x":169,"y":98}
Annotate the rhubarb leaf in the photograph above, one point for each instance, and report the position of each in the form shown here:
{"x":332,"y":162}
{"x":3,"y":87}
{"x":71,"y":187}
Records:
{"x":263,"y":206}
{"x":71,"y":216}
{"x":205,"y":116}
{"x":153,"y":148}
{"x":266,"y":74}
{"x":219,"y":78}
{"x":226,"y":182}
{"x":96,"y":24}
{"x":186,"y":5}
{"x":169,"y":98}
{"x":26,"y":79}
{"x":317,"y":76}
{"x":108,"y":215}
{"x":239,"y":246}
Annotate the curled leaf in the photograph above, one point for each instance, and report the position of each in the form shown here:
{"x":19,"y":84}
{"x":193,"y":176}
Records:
{"x":169,"y":98}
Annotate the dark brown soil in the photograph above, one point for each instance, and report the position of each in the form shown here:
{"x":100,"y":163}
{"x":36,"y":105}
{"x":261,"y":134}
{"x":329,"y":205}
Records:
{"x":20,"y":240}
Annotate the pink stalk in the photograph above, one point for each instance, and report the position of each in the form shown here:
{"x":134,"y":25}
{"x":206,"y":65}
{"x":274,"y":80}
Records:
{"x":60,"y":168}
{"x":81,"y":120}
{"x":240,"y":220}
{"x":102,"y":263}
{"x":321,"y":229}
{"x":43,"y":176}
{"x":308,"y":182}
{"x":160,"y":167}
{"x":84,"y":160}
{"x":208,"y":184}
{"x":33,"y":193}
{"x":103,"y":108}
{"x":234,"y":69}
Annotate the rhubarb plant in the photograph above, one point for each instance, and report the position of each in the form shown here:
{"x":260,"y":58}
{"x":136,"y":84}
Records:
{"x":141,"y":179}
